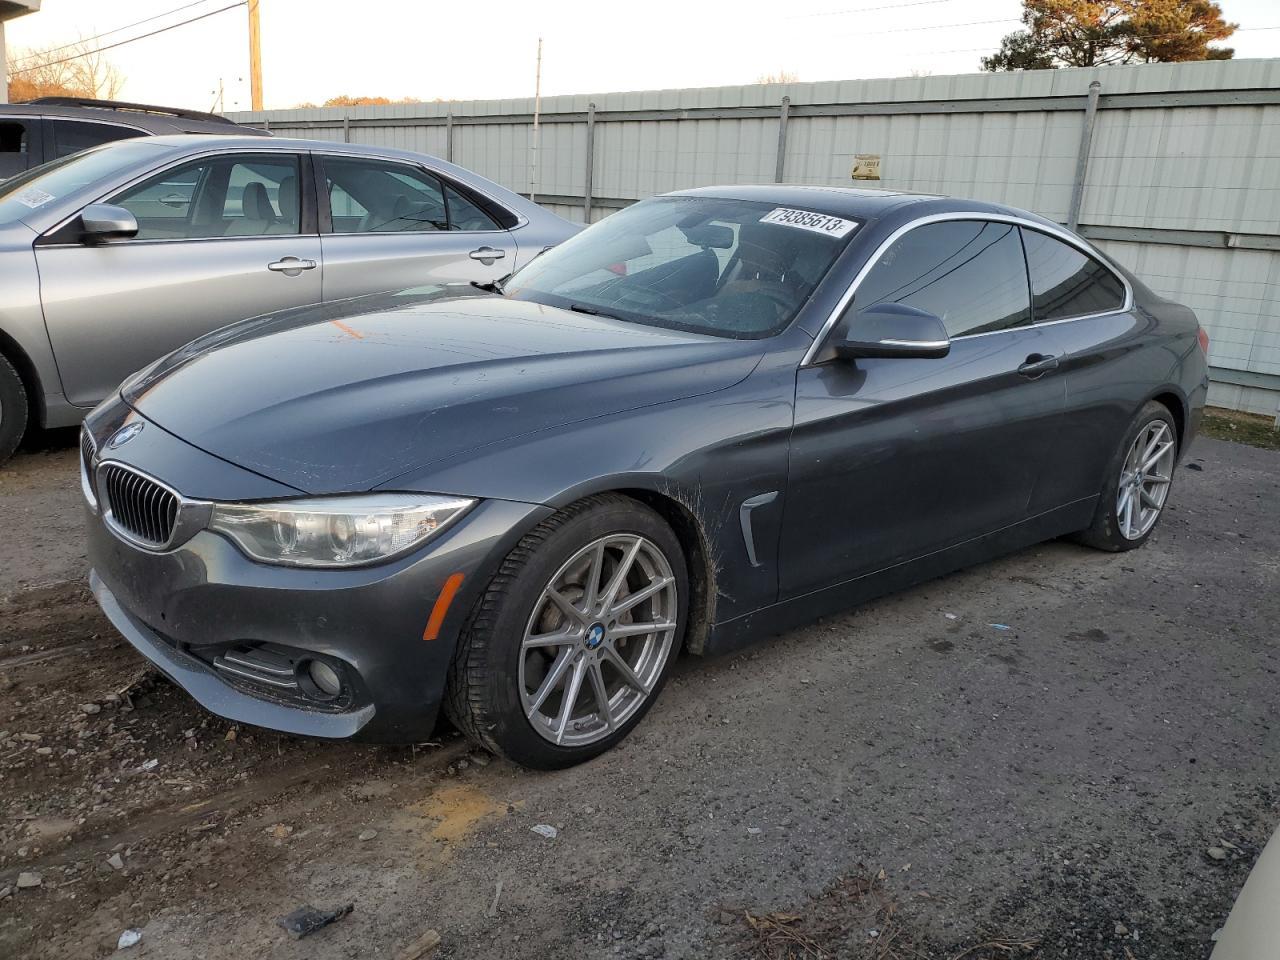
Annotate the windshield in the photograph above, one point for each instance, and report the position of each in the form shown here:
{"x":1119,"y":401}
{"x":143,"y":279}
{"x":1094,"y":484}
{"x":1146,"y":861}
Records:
{"x":59,"y":178}
{"x":730,"y":268}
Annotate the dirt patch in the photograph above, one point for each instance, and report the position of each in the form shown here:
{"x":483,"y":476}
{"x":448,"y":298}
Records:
{"x":1239,"y":427}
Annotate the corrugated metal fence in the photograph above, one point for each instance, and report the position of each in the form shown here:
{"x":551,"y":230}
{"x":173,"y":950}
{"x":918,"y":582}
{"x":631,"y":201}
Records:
{"x":1174,"y":170}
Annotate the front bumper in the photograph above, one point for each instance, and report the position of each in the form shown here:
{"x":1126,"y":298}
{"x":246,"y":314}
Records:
{"x":238,"y":635}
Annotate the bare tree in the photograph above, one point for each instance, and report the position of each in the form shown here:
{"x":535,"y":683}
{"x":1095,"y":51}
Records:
{"x":782,"y":76}
{"x":64,"y":71}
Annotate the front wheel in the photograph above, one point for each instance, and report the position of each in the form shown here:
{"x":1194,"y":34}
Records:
{"x":13,"y":409}
{"x":573,"y":639}
{"x":1137,"y":484}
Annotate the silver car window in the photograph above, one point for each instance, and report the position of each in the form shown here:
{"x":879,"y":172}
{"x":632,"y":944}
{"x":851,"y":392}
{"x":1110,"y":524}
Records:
{"x":237,"y":195}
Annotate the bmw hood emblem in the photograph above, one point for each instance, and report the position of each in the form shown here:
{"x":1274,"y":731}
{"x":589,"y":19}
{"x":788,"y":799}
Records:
{"x":125,"y":434}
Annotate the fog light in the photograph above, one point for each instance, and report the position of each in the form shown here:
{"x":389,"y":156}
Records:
{"x":324,"y":677}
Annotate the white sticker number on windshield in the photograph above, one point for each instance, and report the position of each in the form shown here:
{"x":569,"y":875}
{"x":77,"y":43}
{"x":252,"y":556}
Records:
{"x":33,"y":197}
{"x":807,"y":220}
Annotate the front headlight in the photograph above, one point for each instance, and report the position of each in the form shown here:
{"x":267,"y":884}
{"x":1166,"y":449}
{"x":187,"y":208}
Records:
{"x":336,"y":531}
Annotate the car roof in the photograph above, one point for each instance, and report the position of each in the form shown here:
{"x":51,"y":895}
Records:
{"x":153,"y":120}
{"x":860,"y":203}
{"x":857,"y":202}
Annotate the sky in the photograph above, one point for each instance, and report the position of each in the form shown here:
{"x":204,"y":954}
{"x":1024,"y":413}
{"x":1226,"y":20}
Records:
{"x":316,"y":49}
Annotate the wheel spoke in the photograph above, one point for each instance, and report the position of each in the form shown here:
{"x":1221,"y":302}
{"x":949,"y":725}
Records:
{"x":566,"y":607}
{"x":1149,"y":500}
{"x":1157,"y":479}
{"x":620,"y":664}
{"x":1152,"y":460}
{"x":620,"y":575}
{"x":602,"y":695}
{"x":553,"y":678}
{"x":1128,"y":517}
{"x":570,"y":699}
{"x":640,"y":629}
{"x":1155,"y":437}
{"x":558,"y":639}
{"x":641,"y":595}
{"x":595,"y":568}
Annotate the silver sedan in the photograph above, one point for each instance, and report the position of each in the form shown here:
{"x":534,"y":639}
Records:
{"x":114,"y":257}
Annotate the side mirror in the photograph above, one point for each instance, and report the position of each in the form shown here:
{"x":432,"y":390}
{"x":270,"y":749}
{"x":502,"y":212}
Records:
{"x":893,"y":330}
{"x":101,"y":222}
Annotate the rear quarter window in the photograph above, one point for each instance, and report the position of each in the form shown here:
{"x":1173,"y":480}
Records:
{"x":1066,"y":282}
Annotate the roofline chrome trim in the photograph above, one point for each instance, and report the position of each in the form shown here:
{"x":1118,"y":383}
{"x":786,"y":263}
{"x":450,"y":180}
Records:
{"x":1051,"y":229}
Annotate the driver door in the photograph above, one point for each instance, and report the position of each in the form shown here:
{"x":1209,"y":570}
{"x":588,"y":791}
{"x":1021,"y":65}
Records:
{"x":894,"y":458}
{"x":219,"y":239}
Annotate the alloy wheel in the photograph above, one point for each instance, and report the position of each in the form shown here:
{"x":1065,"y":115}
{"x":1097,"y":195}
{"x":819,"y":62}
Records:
{"x":1145,"y":479}
{"x":598,"y":639}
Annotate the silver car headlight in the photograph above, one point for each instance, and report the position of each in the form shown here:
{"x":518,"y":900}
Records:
{"x":336,"y":531}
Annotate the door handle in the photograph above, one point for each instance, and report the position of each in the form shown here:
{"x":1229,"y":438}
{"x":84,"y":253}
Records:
{"x":291,"y":266}
{"x":487,"y":255}
{"x":1037,"y":365}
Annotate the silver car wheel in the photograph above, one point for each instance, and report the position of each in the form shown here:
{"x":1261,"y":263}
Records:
{"x":1145,"y":479}
{"x":598,"y":639}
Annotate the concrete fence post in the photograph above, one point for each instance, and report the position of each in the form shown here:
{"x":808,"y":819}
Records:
{"x":1082,"y":161}
{"x":591,"y":162}
{"x":782,"y":140}
{"x":448,"y":135}
{"x":346,"y":128}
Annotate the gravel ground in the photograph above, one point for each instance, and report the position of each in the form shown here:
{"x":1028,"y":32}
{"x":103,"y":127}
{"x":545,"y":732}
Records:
{"x":907,"y":780}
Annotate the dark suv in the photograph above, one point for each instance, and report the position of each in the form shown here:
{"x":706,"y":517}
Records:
{"x":53,"y":127}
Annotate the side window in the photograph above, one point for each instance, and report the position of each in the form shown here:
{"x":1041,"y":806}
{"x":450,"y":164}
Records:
{"x":971,"y":273}
{"x":230,"y":196}
{"x":72,"y":136}
{"x":465,"y":215}
{"x":1065,"y":282}
{"x":376,"y":196}
{"x":14,"y":147}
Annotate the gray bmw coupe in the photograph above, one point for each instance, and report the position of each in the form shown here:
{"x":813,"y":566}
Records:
{"x":709,"y":417}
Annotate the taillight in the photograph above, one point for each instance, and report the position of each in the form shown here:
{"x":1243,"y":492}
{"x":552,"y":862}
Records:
{"x":1203,"y":337}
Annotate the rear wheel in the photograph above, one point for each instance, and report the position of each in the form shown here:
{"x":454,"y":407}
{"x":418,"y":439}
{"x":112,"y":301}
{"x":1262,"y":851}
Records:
{"x":570,"y":644}
{"x":1138,"y":483}
{"x":13,"y":409}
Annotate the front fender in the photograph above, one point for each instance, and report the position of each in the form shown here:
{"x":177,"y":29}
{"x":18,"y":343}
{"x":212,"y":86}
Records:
{"x":706,"y":454}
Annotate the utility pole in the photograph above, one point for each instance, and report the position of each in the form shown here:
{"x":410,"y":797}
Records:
{"x":255,"y":58}
{"x":537,"y":113}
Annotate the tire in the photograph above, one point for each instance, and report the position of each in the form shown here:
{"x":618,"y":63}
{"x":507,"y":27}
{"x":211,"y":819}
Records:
{"x":13,"y":409}
{"x":495,"y":681}
{"x":1113,"y":528}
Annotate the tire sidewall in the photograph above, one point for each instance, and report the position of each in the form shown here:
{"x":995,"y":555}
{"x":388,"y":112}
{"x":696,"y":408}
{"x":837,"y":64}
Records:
{"x":1108,"y":521}
{"x":511,"y":729}
{"x":13,"y":409}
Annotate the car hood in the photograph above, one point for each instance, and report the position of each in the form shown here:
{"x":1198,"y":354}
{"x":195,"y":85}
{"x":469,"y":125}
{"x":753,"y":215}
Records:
{"x":348,"y":396}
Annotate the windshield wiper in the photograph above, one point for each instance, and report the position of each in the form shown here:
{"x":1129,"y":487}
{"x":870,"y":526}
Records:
{"x":592,"y":311}
{"x":493,"y":286}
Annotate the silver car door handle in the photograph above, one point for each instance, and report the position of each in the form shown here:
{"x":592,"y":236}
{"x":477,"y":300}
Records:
{"x":487,"y":255}
{"x":291,"y":265}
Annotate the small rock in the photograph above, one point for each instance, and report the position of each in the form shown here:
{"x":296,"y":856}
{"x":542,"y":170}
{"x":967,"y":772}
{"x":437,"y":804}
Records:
{"x":368,"y":835}
{"x":231,"y":736}
{"x":116,"y":861}
{"x":754,"y":831}
{"x":28,"y":880}
{"x":91,"y":709}
{"x":44,"y":751}
{"x":130,"y":938}
{"x":30,"y":737}
{"x":1216,"y":853}
{"x":150,"y":765}
{"x":282,"y":830}
{"x":1121,"y":929}
{"x":545,"y":830}
{"x":6,"y":893}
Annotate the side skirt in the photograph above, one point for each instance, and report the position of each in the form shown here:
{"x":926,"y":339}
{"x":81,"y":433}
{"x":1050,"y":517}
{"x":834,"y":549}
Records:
{"x":734,"y":634}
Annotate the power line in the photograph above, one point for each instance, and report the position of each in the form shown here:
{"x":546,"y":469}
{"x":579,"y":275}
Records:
{"x":153,"y":33}
{"x":127,"y":26}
